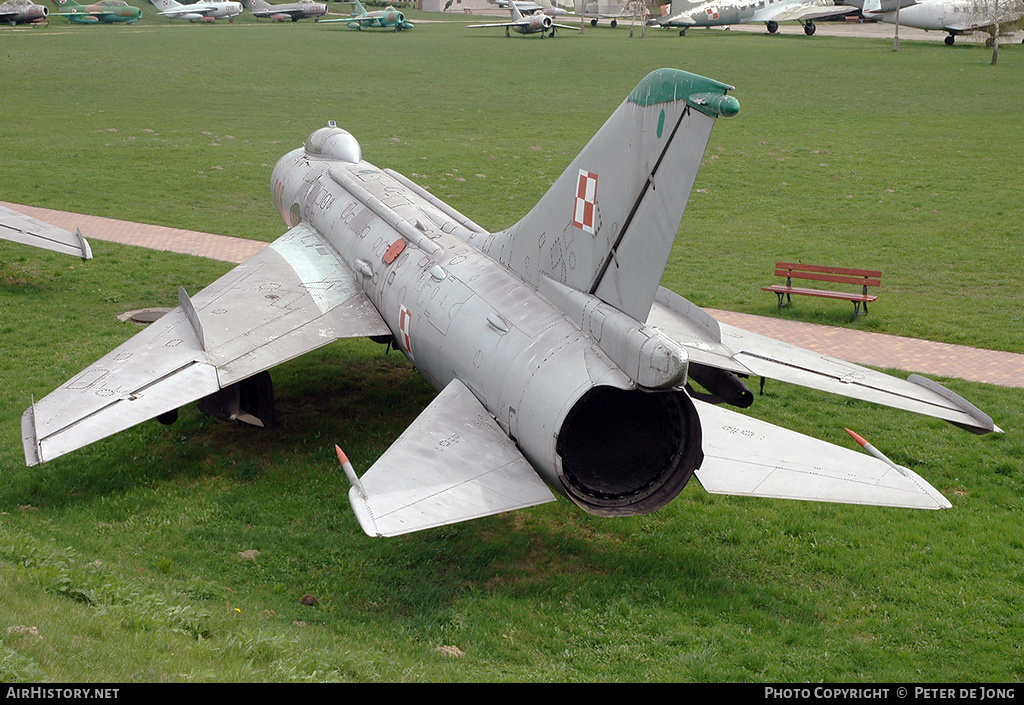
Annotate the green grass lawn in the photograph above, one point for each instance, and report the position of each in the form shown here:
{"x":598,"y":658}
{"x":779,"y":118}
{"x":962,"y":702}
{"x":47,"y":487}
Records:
{"x":133,"y":559}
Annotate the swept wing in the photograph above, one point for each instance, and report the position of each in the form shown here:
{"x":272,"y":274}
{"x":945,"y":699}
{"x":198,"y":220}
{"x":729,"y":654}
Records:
{"x":721,"y":346}
{"x":21,"y":228}
{"x":292,"y":297}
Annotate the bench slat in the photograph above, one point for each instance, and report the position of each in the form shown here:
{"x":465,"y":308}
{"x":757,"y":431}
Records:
{"x":779,"y":289}
{"x":801,"y":267}
{"x":857,"y":281}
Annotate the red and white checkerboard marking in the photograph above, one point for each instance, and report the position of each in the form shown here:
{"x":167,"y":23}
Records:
{"x":712,"y":13}
{"x":586,"y":202}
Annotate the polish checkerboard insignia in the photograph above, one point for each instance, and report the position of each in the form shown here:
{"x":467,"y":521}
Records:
{"x":586,"y":202}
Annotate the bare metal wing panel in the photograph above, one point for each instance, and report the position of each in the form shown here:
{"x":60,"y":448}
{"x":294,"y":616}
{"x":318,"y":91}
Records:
{"x":727,"y":347}
{"x":290,"y":298}
{"x":745,"y":456}
{"x":812,"y":11}
{"x":452,"y":464}
{"x":21,"y":228}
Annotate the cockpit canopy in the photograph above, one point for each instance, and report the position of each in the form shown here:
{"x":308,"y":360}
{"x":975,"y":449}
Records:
{"x":333,"y":142}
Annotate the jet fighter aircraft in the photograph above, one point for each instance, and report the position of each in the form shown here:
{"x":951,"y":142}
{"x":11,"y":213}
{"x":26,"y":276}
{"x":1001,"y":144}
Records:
{"x":720,"y":13}
{"x":199,"y":11}
{"x":526,"y":24}
{"x":389,"y":17}
{"x":531,"y":8}
{"x":18,"y":227}
{"x":955,"y":18}
{"x":293,"y":11}
{"x":22,"y":12}
{"x":104,"y":11}
{"x":560,"y":362}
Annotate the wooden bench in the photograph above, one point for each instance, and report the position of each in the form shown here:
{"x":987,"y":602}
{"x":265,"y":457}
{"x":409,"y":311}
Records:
{"x":857,"y":277}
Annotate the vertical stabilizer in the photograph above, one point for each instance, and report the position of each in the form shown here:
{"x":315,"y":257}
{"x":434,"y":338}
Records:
{"x":607,"y":224}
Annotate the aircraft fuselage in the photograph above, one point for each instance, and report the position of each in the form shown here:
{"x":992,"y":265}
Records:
{"x":456,"y":313}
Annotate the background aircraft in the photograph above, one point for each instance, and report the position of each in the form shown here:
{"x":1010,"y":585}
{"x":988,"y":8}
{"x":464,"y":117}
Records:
{"x":531,"y":8}
{"x":22,"y":12}
{"x":559,"y":360}
{"x":525,"y":24}
{"x":199,"y":11}
{"x":293,"y":11}
{"x":729,"y":12}
{"x":105,"y":11}
{"x":613,"y":10}
{"x":18,"y":227}
{"x":955,"y":17}
{"x":388,"y":17}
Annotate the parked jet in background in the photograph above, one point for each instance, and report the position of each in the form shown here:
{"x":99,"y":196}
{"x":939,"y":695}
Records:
{"x":105,"y":11}
{"x":560,"y":362}
{"x":22,"y":12}
{"x":389,"y":17}
{"x":729,"y":12}
{"x":955,"y":17}
{"x":526,"y":24}
{"x":17,"y":227}
{"x":293,"y":11}
{"x":199,"y":11}
{"x":531,"y":8}
{"x":600,"y":10}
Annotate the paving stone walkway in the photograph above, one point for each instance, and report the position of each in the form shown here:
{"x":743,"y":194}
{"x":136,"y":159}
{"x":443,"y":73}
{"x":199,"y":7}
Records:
{"x":865,"y":348}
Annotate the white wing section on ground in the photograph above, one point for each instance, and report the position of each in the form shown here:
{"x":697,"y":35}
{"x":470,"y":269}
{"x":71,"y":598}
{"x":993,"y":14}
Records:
{"x":745,"y":456}
{"x":292,"y":297}
{"x":726,"y":347}
{"x":18,"y":227}
{"x":452,"y":464}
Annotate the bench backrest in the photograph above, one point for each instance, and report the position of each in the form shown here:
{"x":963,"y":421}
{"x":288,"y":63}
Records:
{"x":840,"y":275}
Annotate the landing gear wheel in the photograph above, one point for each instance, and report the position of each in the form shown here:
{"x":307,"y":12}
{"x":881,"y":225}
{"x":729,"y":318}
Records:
{"x":682,"y":32}
{"x":949,"y":40}
{"x":593,"y":23}
{"x":809,"y":28}
{"x":772,"y":27}
{"x":614,"y":24}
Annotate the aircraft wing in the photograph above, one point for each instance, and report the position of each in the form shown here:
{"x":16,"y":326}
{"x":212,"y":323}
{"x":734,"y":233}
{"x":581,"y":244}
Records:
{"x":452,"y":464}
{"x":725,"y":347}
{"x":808,"y":11}
{"x":746,"y":456}
{"x":292,"y":297}
{"x":194,"y":9}
{"x":21,"y":228}
{"x":497,"y":24}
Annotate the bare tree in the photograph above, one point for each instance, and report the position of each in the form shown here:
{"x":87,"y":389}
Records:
{"x":638,"y":10}
{"x":995,"y":18}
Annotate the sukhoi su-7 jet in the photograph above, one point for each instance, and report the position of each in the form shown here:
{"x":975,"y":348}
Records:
{"x":561,"y":364}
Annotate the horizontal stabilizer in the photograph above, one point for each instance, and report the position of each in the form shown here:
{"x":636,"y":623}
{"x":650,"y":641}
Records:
{"x":452,"y":464}
{"x":745,"y":456}
{"x":744,"y":353}
{"x":16,"y":227}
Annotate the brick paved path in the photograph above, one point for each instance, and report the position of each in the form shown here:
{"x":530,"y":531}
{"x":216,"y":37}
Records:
{"x":862,"y":347}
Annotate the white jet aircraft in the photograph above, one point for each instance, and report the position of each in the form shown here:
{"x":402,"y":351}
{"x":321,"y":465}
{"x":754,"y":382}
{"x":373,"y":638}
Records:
{"x":526,"y":24}
{"x":721,"y":13}
{"x":198,"y":11}
{"x":560,"y":362}
{"x":953,"y":16}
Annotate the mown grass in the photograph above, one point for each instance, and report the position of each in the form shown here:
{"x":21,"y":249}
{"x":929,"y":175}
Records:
{"x":133,"y":559}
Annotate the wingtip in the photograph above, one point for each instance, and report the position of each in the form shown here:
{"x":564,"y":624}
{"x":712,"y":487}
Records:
{"x":857,"y":437}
